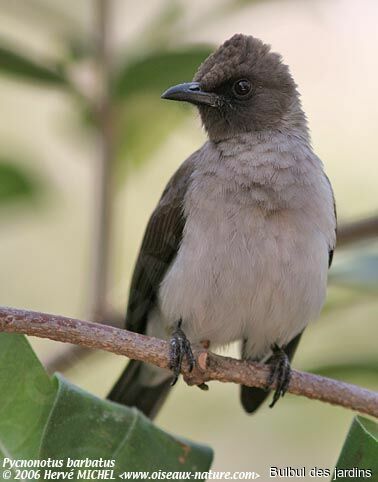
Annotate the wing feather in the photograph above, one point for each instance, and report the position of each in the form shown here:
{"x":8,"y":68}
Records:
{"x":159,"y":247}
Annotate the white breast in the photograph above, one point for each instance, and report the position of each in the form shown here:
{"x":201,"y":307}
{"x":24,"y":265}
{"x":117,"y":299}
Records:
{"x":253,"y":261}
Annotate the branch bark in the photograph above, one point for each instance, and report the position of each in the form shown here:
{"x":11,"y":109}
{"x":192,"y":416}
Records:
{"x":208,"y":367}
{"x":348,"y":233}
{"x":361,"y":230}
{"x":104,"y":169}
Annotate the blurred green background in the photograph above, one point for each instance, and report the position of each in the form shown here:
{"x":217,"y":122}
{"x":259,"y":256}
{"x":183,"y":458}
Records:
{"x":86,"y":147}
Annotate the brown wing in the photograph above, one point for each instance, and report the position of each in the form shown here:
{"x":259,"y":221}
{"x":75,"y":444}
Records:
{"x":160,"y":244}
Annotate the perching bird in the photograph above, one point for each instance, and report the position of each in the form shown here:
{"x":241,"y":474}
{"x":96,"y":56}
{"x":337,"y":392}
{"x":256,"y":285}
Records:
{"x":239,"y":245}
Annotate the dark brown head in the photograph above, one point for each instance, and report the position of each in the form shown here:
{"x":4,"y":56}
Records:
{"x":242,"y":87}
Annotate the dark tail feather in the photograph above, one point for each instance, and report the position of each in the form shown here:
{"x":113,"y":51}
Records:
{"x":251,"y":397}
{"x":129,"y":391}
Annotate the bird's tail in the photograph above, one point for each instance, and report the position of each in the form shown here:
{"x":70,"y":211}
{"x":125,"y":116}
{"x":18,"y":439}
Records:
{"x":131,"y":390}
{"x":252,"y":397}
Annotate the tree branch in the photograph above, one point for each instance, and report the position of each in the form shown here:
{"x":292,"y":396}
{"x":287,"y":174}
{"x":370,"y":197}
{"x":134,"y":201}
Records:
{"x":208,"y":367}
{"x":348,"y":233}
{"x":104,"y":169}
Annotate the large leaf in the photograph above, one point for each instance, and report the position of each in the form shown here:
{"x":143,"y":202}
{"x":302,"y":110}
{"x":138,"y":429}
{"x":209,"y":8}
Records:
{"x":19,"y":65}
{"x":360,"y":452}
{"x":348,"y":368}
{"x":81,"y":425}
{"x":16,"y":183}
{"x":159,"y":70}
{"x":360,"y":271}
{"x":26,"y":397}
{"x":145,"y":122}
{"x":42,"y":418}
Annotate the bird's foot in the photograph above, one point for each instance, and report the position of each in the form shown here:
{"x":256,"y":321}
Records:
{"x":179,"y":347}
{"x":280,"y":373}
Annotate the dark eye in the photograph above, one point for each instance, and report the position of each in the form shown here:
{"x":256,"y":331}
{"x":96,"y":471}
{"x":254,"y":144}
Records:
{"x":242,"y":88}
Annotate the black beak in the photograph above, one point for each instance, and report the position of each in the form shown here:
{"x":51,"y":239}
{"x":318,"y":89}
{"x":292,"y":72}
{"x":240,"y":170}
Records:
{"x":191,"y":92}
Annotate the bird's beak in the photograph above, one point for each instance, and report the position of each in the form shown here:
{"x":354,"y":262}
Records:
{"x":191,"y":92}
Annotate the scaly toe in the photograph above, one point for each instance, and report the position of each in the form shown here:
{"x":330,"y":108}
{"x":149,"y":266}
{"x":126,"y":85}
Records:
{"x":179,"y":347}
{"x":280,"y":373}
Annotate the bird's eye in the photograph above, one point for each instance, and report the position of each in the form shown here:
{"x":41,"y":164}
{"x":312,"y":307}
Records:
{"x":242,"y":88}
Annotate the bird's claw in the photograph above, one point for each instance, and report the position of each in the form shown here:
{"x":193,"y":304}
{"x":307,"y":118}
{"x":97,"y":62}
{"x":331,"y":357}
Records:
{"x":280,"y":373}
{"x":179,"y":347}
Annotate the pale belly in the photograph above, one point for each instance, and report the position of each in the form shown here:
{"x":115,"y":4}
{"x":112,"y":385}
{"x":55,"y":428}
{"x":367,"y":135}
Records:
{"x":245,"y":276}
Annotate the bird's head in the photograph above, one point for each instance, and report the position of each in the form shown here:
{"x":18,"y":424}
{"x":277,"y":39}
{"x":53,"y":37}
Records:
{"x":242,"y":87}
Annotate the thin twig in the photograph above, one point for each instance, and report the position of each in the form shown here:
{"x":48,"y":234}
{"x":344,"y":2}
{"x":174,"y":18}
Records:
{"x":356,"y":231}
{"x":66,"y":359}
{"x":71,"y":355}
{"x":208,"y":367}
{"x":104,"y":176}
{"x":348,"y":233}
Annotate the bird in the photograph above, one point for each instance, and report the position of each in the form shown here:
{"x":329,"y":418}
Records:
{"x":240,"y":243}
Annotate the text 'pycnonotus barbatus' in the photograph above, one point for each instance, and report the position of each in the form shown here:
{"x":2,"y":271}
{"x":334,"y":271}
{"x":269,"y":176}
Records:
{"x":239,"y":245}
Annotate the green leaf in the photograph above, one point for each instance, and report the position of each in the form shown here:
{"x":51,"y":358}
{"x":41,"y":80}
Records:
{"x":42,"y":418}
{"x":16,"y":183}
{"x":18,"y":65}
{"x":26,"y":397}
{"x":141,"y":114}
{"x":159,"y":70}
{"x":360,"y":271}
{"x":360,"y":451}
{"x":81,"y":425}
{"x":347,"y":369}
{"x":140,"y":109}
